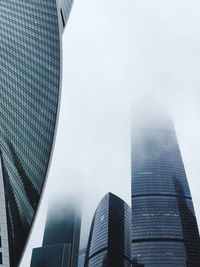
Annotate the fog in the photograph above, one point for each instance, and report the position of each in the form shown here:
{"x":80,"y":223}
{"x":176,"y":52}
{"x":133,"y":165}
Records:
{"x":121,"y":57}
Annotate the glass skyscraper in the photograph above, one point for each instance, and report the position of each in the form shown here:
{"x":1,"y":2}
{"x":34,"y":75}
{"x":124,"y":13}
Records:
{"x":60,"y":246}
{"x":30,"y":80}
{"x":109,"y":243}
{"x":164,"y":227}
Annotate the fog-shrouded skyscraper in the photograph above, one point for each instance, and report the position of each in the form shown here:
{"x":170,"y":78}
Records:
{"x":60,"y":247}
{"x":30,"y":81}
{"x":109,"y":243}
{"x":164,"y":227}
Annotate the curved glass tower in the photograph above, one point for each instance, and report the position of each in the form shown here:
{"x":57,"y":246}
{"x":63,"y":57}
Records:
{"x":164,"y":227}
{"x":109,"y":242}
{"x":30,"y":77}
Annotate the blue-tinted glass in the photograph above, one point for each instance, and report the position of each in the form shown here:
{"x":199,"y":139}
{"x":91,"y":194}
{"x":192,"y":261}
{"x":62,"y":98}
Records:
{"x":164,"y":227}
{"x":30,"y":58}
{"x":109,"y":242}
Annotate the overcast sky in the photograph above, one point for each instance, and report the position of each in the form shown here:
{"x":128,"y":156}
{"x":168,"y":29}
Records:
{"x":119,"y":55}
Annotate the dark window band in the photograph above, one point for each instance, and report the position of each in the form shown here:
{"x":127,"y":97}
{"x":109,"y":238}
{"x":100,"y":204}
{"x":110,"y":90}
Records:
{"x":160,"y":195}
{"x":142,"y":240}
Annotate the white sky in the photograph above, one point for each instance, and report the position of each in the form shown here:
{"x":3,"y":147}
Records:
{"x":117,"y":55}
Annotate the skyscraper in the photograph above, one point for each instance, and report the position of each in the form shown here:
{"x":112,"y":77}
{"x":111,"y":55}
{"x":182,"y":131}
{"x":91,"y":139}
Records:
{"x":30,"y":81}
{"x":60,"y":246}
{"x":164,"y":227}
{"x":109,"y":243}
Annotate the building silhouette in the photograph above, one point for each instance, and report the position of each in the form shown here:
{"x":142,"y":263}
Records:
{"x":109,"y":243}
{"x":164,"y":227}
{"x":30,"y":80}
{"x":60,"y":247}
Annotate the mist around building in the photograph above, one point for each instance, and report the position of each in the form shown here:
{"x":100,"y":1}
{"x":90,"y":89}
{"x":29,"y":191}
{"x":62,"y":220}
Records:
{"x":162,"y":70}
{"x":159,"y":228}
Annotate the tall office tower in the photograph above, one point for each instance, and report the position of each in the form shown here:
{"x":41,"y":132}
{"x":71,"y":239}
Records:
{"x":30,"y":81}
{"x":164,"y":227}
{"x":109,"y":243}
{"x":60,"y":246}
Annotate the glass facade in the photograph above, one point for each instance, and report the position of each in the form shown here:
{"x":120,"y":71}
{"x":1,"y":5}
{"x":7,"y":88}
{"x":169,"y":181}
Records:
{"x":51,"y":256}
{"x":164,"y":227}
{"x":30,"y":59}
{"x":109,"y":243}
{"x":81,"y":259}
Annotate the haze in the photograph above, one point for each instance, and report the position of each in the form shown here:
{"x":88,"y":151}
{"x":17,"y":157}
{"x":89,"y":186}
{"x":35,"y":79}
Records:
{"x":118,"y":56}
